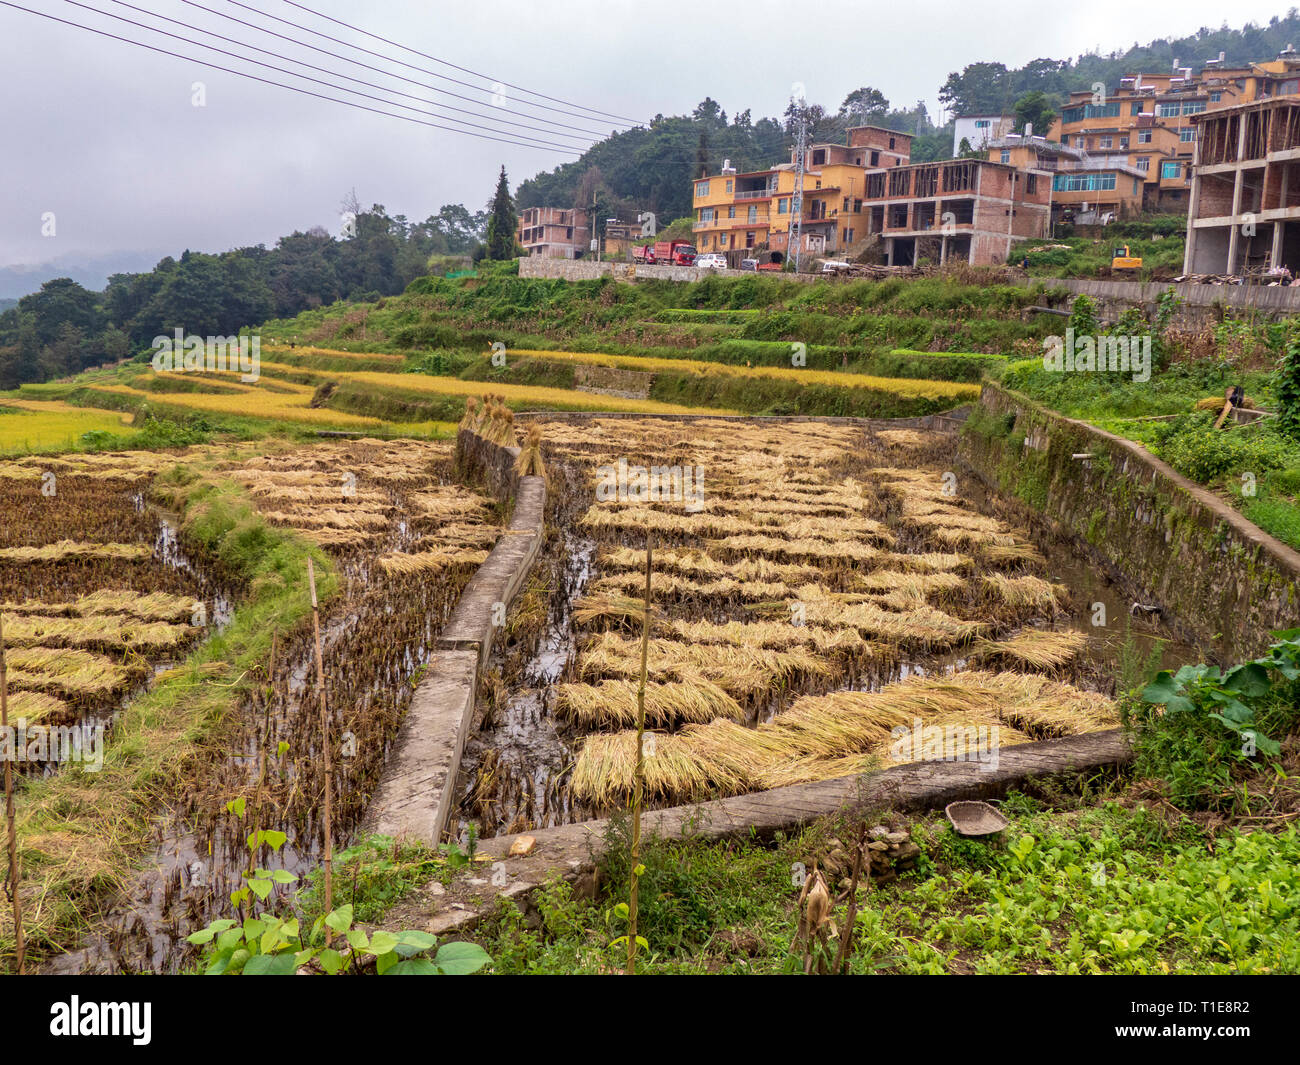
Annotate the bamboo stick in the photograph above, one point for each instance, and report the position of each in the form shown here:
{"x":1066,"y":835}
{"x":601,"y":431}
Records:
{"x":328,"y":861}
{"x":638,"y":785}
{"x":9,"y":810}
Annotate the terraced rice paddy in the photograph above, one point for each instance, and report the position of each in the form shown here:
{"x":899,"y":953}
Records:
{"x":49,"y":425}
{"x":105,"y":591}
{"x":816,"y":587}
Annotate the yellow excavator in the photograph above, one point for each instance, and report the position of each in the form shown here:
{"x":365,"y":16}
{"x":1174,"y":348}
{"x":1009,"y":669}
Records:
{"x":1124,"y":263}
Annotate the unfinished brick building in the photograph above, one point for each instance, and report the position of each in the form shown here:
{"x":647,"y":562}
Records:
{"x":1244,"y":215}
{"x":967,"y":209}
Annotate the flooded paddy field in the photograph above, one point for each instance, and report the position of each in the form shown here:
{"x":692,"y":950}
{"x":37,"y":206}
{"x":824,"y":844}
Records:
{"x":105,"y":590}
{"x":821,"y":592}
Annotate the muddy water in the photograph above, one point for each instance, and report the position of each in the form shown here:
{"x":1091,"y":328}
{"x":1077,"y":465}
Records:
{"x":514,"y":772}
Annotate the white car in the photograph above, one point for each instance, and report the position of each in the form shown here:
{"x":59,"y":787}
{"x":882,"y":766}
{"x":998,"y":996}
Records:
{"x":711,"y":261}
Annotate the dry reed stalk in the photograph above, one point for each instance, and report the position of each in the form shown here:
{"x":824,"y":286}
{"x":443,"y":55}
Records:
{"x":328,"y":860}
{"x":15,"y":883}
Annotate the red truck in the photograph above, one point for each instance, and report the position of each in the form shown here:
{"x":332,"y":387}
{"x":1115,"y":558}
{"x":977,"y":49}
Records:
{"x":670,"y":252}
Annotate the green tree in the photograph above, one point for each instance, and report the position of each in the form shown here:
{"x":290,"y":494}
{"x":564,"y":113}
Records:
{"x":1035,"y":109}
{"x":501,"y":224}
{"x":863,"y":106}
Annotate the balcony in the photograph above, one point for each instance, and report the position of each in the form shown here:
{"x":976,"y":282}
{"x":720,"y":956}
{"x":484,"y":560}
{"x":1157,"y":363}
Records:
{"x":755,"y":194}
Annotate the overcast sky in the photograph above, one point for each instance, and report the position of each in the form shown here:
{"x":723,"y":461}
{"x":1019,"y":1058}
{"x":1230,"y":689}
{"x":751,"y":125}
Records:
{"x":105,"y":135}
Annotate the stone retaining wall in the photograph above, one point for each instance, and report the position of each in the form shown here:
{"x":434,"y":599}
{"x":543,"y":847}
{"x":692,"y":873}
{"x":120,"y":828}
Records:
{"x":1200,"y":303}
{"x":416,"y":795}
{"x":1222,"y":582}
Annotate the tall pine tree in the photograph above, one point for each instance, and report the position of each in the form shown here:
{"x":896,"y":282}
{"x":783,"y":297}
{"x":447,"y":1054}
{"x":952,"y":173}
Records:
{"x":501,"y":226}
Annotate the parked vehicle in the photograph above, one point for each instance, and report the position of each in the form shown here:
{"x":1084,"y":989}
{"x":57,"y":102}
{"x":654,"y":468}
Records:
{"x":668,"y":252}
{"x":1124,"y":262}
{"x":835,"y":266}
{"x":711,"y":261}
{"x":749,"y":264}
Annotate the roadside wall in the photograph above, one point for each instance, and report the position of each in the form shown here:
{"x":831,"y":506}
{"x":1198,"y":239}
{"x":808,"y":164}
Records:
{"x":589,"y":270}
{"x":1201,"y":303}
{"x":1223,"y":583}
{"x":416,"y":795}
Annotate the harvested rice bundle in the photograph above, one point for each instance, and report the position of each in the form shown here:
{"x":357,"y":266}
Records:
{"x":605,"y":767}
{"x":319,"y":518}
{"x":399,"y":563}
{"x":917,"y":585}
{"x":612,"y":704}
{"x":954,"y":519}
{"x":444,"y":503}
{"x":339,"y":538}
{"x":1027,"y":591}
{"x":772,"y":634}
{"x":530,"y":462}
{"x":696,"y":563}
{"x":32,"y":707}
{"x":928,"y":562}
{"x":467,"y":534}
{"x":1045,"y":708}
{"x":100,"y":631}
{"x":620,"y":610}
{"x":905,"y":437}
{"x":1036,"y":648}
{"x":920,"y":625}
{"x":826,"y":528}
{"x":848,"y":551}
{"x":65,"y":671}
{"x":616,"y":515}
{"x":1011,"y":554}
{"x":469,"y":420}
{"x":952,"y":537}
{"x":666,"y":585}
{"x":739,"y":671}
{"x":66,"y":549}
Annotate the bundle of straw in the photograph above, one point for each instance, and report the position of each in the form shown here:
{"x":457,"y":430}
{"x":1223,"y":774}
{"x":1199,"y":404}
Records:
{"x":529,"y":463}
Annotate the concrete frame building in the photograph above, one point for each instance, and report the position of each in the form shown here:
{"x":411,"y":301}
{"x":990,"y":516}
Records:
{"x":553,"y":232}
{"x":1245,"y":199}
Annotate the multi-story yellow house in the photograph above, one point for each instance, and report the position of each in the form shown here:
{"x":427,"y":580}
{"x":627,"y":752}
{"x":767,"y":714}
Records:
{"x":739,"y":211}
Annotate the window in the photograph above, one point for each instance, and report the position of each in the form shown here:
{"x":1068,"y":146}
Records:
{"x":701,"y":189}
{"x":1144,"y":164}
{"x":819,"y":157}
{"x":849,"y":238}
{"x":783,"y":205}
{"x":1193,"y":107}
{"x":730,"y":184}
{"x":845,"y":207}
{"x":1215,"y":97}
{"x":753,"y":214}
{"x":722,"y":240}
{"x":857,"y":206}
{"x":731,"y":212}
{"x":1135,"y":186}
{"x":1005,"y":156}
{"x":1135,"y":108}
{"x":1144,"y":136}
{"x":568,"y":233}
{"x":749,"y":240}
{"x":706,"y":214}
{"x":1170,"y":170}
{"x":1107,"y":142}
{"x":1168,"y":110}
{"x":1078,"y":114}
{"x":1186,"y":136}
{"x":981,"y":123}
{"x":1083,"y":182}
{"x":875,"y":158}
{"x":1031,"y":184}
{"x":891,"y":144}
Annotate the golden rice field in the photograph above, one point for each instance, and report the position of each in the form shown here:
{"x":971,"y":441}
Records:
{"x":815,"y":587}
{"x":534,"y":396}
{"x":50,"y":425}
{"x":923,"y":389}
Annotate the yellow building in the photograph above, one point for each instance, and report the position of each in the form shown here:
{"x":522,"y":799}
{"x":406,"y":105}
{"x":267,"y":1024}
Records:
{"x":736,"y":212}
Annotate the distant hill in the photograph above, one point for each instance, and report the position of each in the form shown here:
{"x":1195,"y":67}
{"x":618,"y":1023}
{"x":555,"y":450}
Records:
{"x":90,"y":271}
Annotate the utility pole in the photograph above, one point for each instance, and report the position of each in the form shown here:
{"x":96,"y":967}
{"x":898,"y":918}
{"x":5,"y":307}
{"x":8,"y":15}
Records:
{"x":796,"y":200}
{"x":595,"y":240}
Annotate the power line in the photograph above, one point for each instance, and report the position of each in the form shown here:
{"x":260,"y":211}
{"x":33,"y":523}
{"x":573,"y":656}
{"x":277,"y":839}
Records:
{"x":416,"y":51}
{"x":267,"y":81}
{"x":368,"y":66}
{"x":306,"y":77}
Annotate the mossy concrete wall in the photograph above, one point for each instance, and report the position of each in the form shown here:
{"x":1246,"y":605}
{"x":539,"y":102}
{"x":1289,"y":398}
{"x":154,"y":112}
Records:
{"x":1223,"y":583}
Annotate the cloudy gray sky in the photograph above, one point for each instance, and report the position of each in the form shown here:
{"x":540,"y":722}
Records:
{"x":105,"y":135}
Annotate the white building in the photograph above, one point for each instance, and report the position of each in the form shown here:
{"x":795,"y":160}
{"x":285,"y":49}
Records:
{"x":978,"y":130}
